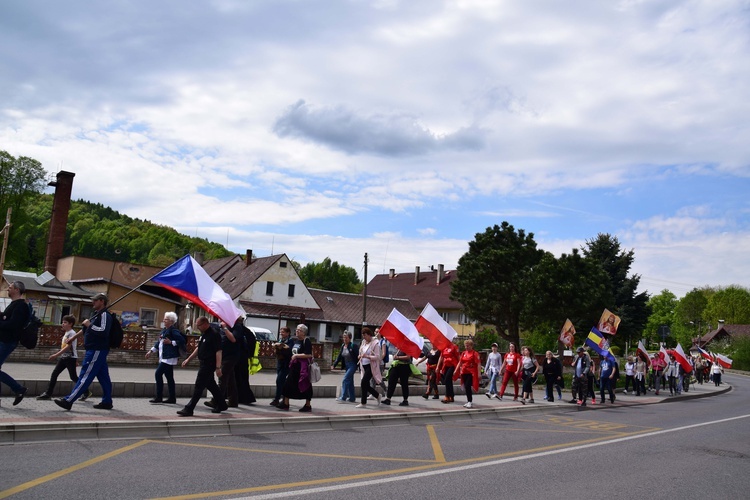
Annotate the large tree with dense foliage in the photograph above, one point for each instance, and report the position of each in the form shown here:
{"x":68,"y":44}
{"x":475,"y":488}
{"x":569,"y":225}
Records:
{"x":663,"y":308}
{"x":328,"y":275}
{"x":730,"y":304}
{"x":494,"y":278}
{"x":688,"y":315}
{"x":627,"y":303}
{"x":21,"y":179}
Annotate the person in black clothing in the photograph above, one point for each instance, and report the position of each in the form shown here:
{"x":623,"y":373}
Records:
{"x":283,"y":350}
{"x":230,"y":355}
{"x":399,"y":373}
{"x":298,"y":385}
{"x":552,"y":371}
{"x":246,"y":340}
{"x":209,"y":356}
{"x":12,"y":321}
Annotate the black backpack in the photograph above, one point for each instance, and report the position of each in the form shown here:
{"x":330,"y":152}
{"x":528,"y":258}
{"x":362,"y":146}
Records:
{"x":115,"y":332}
{"x":30,"y":332}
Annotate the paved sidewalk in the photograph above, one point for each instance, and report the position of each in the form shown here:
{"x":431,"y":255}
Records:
{"x":136,"y":418}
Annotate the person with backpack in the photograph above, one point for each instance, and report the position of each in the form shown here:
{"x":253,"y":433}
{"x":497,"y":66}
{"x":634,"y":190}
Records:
{"x":12,"y":322}
{"x":97,"y":343}
{"x":169,"y":346}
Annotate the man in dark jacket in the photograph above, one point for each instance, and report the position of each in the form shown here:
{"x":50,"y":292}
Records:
{"x":208,"y":350}
{"x":12,"y":322}
{"x":96,"y":341}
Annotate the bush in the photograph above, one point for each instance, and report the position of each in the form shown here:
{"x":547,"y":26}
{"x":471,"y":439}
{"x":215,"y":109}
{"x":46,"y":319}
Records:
{"x":740,"y":353}
{"x":484,"y":339}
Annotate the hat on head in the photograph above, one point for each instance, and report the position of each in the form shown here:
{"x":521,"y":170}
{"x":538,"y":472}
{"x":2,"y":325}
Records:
{"x":101,"y":296}
{"x":494,"y":344}
{"x":580,"y":349}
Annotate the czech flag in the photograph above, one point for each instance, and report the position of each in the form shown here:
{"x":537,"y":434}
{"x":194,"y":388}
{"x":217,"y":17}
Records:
{"x":188,"y":279}
{"x":597,"y":342}
{"x":399,"y":331}
{"x":704,"y":354}
{"x":431,"y":325}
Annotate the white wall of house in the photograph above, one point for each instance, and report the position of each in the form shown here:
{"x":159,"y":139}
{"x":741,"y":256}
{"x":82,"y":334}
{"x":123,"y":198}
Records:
{"x":286,"y":287}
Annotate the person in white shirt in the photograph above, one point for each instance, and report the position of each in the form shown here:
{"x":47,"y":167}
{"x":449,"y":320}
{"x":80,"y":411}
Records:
{"x":67,"y":358}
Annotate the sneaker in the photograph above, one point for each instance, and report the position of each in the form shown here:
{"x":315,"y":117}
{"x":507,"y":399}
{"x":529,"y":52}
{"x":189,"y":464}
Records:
{"x":19,"y":396}
{"x":426,"y":396}
{"x":544,"y":398}
{"x":624,"y":392}
{"x":360,"y":405}
{"x":87,"y":395}
{"x":370,"y":397}
{"x":559,"y":398}
{"x":583,"y":404}
{"x":489,"y":396}
{"x":44,"y":396}
{"x":579,"y":402}
{"x":523,"y":401}
{"x":470,"y":405}
{"x":339,"y":400}
{"x":531,"y":400}
{"x":404,"y":403}
{"x":386,"y":402}
{"x":185,"y":412}
{"x":305,"y":409}
{"x":64,"y":403}
{"x":499,"y":398}
{"x":103,"y":406}
{"x":593,"y":401}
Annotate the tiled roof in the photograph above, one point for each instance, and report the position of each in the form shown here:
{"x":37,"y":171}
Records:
{"x":427,"y":289}
{"x":344,"y":308}
{"x":730,"y":330}
{"x":234,"y":275}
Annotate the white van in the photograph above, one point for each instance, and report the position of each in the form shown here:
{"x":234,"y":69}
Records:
{"x":261,"y":333}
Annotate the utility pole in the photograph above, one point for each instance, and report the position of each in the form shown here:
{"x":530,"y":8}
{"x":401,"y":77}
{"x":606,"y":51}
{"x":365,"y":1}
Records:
{"x":364,"y":297}
{"x":6,"y":231}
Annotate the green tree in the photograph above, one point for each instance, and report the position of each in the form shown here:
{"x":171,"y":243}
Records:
{"x":20,"y":179}
{"x":731,"y":305}
{"x":627,"y":303}
{"x":328,"y":275}
{"x":688,"y":315}
{"x":494,"y":278}
{"x":662,"y":313}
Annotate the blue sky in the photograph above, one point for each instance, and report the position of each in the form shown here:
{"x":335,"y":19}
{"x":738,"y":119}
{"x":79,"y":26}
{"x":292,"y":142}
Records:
{"x":399,"y":128}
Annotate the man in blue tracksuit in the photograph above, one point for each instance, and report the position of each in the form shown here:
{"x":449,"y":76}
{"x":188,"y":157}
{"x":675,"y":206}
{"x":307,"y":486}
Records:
{"x":96,"y":341}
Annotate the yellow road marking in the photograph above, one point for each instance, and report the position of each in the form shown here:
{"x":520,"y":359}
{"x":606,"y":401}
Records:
{"x":299,"y":453}
{"x":436,"y":448}
{"x":434,"y":465}
{"x":74,"y":468}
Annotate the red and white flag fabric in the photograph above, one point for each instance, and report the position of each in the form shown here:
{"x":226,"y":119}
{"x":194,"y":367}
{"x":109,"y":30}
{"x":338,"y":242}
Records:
{"x":431,"y":325}
{"x":643,"y":353}
{"x":679,"y":356}
{"x":402,"y":333}
{"x":724,"y":361}
{"x":664,"y":355}
{"x":188,"y":279}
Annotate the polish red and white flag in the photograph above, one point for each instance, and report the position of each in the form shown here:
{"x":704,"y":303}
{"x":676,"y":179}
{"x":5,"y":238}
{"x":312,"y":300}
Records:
{"x":643,"y":353}
{"x":724,"y":361}
{"x":402,"y":333}
{"x":679,"y":356}
{"x":431,"y":325}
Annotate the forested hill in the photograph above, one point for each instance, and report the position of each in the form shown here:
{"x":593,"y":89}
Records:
{"x":100,"y":232}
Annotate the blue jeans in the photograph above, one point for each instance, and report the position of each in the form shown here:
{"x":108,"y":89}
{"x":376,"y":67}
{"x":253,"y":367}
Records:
{"x":281,"y":374}
{"x":492,"y":388}
{"x":347,"y":385}
{"x":5,"y":349}
{"x":94,"y":366}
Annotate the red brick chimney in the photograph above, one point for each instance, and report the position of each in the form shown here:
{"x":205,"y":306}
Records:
{"x":59,"y":219}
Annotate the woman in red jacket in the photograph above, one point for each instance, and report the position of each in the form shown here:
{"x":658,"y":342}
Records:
{"x":446,"y":367}
{"x":510,"y":370}
{"x":468,"y":370}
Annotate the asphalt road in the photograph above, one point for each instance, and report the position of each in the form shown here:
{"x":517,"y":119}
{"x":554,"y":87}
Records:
{"x":683,"y":449}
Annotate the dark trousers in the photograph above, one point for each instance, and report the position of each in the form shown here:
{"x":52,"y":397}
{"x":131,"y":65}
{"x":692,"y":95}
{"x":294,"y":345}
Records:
{"x":205,"y":380}
{"x":580,"y":388}
{"x":467,"y":380}
{"x":365,"y":384}
{"x":448,"y":381}
{"x":551,"y":387}
{"x":605,"y":384}
{"x":628,"y":380}
{"x":282,"y":372}
{"x":164,"y":370}
{"x":398,"y":374}
{"x":227,"y":382}
{"x":245,"y":394}
{"x":63,"y":364}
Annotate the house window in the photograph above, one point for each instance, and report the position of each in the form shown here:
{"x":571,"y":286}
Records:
{"x":282,"y":264}
{"x":269,"y":288}
{"x":148,"y":317}
{"x":291,"y":290}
